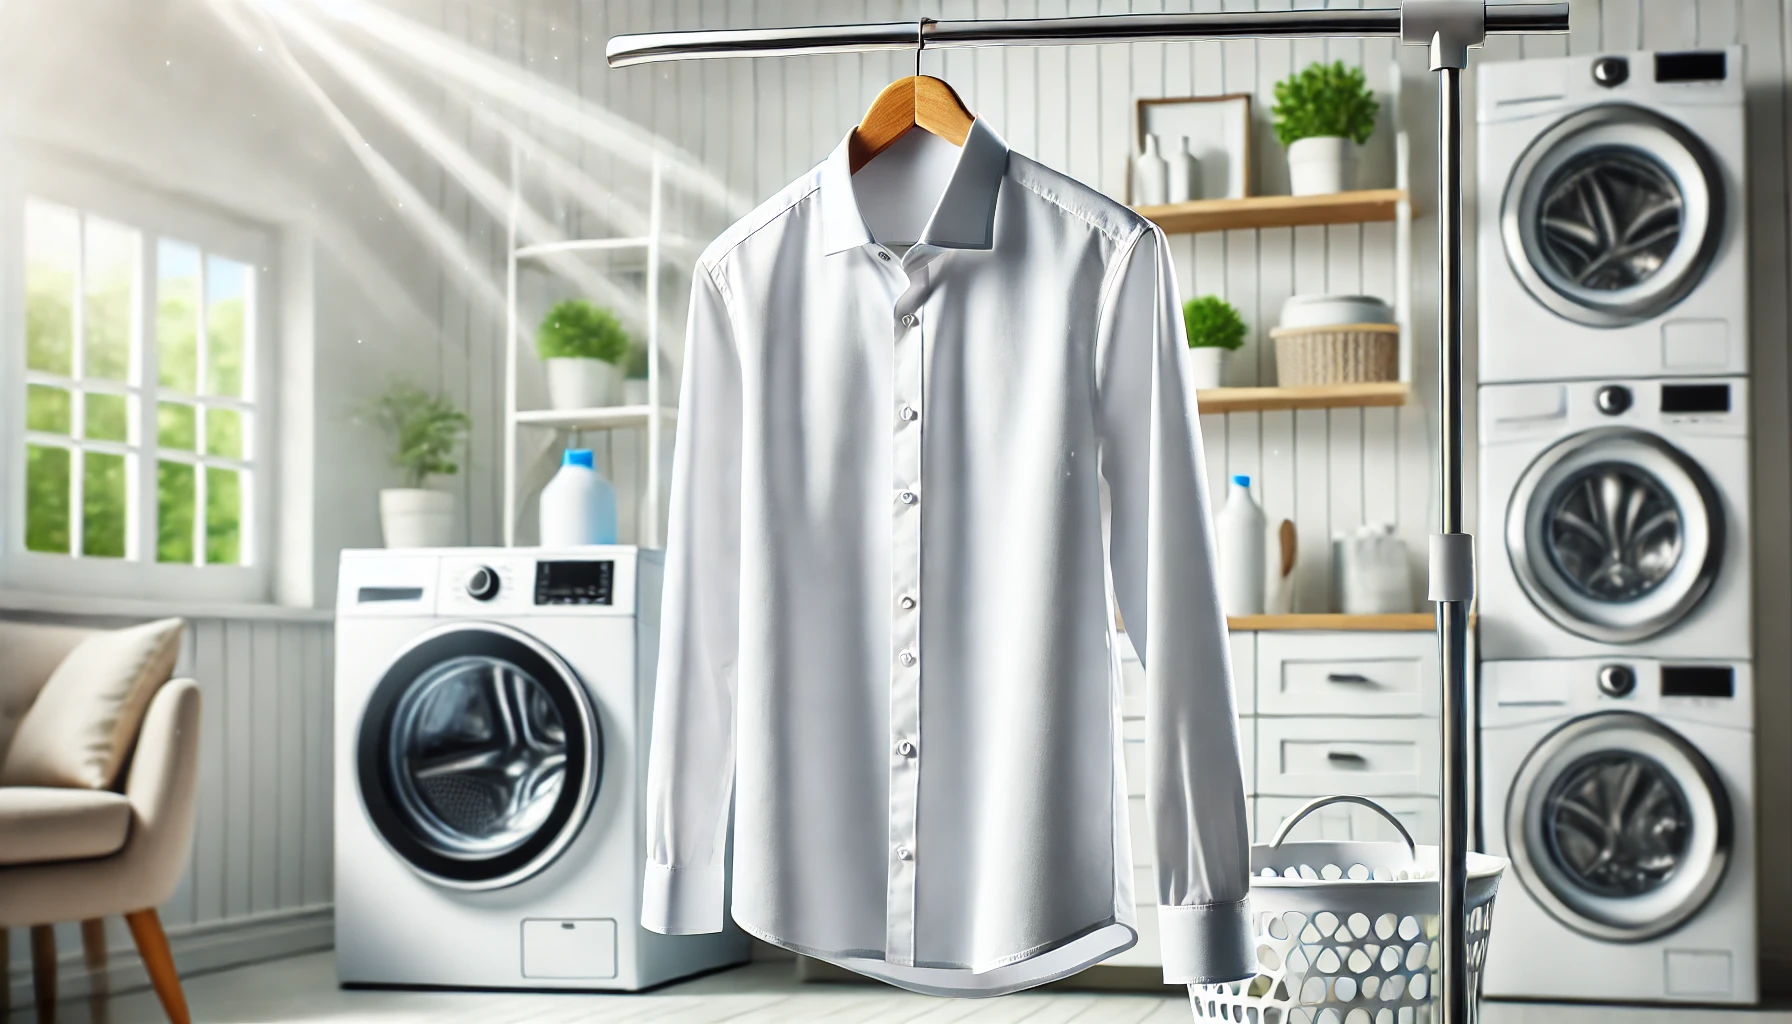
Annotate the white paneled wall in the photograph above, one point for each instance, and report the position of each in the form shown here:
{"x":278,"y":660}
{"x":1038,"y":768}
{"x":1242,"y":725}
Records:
{"x":259,"y":879}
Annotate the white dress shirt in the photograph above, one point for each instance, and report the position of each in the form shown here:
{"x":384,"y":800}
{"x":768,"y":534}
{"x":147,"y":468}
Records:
{"x":909,"y":474}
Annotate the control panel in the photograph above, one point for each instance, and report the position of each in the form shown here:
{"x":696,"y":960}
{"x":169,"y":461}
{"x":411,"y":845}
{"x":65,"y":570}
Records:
{"x":575,"y":582}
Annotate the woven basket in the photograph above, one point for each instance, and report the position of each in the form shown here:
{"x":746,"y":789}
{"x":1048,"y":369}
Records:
{"x":1336,"y":354}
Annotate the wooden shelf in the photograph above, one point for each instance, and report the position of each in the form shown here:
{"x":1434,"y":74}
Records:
{"x":1363,"y":207}
{"x":1414,"y":622}
{"x":1322,"y":396}
{"x":615,"y":417}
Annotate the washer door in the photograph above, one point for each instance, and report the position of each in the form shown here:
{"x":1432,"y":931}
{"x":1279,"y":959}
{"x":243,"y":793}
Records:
{"x":1619,"y":827}
{"x":479,"y":756}
{"x":1613,"y":215}
{"x":1615,"y":534}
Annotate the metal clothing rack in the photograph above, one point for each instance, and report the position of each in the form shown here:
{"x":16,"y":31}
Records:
{"x":1449,"y":28}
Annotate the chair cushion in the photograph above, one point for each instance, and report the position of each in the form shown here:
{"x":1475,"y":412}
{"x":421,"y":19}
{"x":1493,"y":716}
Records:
{"x":41,"y":824}
{"x":29,"y":654}
{"x":80,"y":728}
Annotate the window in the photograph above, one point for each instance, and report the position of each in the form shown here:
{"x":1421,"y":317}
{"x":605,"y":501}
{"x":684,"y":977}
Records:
{"x":140,"y":328}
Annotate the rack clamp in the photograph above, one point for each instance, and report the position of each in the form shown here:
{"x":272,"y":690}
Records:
{"x":1452,"y":568}
{"x":1449,"y":27}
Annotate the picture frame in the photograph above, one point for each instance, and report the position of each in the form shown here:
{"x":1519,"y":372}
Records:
{"x":1219,"y":133}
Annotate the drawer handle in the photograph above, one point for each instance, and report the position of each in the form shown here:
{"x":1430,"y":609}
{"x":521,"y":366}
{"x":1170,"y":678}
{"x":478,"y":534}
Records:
{"x":1355,"y":678}
{"x":1346,"y":757}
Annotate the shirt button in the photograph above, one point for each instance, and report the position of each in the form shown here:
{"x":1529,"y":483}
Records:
{"x":907,"y":497}
{"x":904,"y":853}
{"x":908,"y":413}
{"x":906,"y":657}
{"x":883,"y":256}
{"x":909,"y":320}
{"x":906,"y":749}
{"x":907,"y":602}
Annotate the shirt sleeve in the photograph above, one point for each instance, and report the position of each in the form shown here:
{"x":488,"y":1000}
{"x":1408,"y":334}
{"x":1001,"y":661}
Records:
{"x":690,"y":769}
{"x":1161,"y":557}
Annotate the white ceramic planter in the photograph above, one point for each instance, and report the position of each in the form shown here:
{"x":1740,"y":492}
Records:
{"x":1207,"y":367}
{"x":634,"y":391}
{"x":415,"y":517}
{"x":583,"y":383}
{"x":1322,"y":165}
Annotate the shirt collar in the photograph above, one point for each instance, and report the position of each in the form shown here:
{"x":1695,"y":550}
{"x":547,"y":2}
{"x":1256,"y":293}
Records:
{"x":964,"y":217}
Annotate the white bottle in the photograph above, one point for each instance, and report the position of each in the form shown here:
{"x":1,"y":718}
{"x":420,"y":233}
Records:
{"x":578,"y":506}
{"x":1240,"y":530}
{"x":1151,"y":176}
{"x":1185,"y":173}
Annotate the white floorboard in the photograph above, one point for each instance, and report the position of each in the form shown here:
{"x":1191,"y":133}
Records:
{"x":303,"y":989}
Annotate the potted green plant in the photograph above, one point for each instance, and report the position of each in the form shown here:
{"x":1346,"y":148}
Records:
{"x":584,"y":349}
{"x":1214,"y":329}
{"x":634,"y":388}
{"x":1322,"y":114}
{"x":425,"y":430}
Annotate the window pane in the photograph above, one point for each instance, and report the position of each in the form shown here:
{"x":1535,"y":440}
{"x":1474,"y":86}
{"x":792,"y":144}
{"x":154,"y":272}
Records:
{"x":46,"y":499}
{"x":104,"y":502}
{"x":111,"y":278}
{"x":46,"y":409}
{"x":51,"y":245}
{"x":227,"y":285}
{"x":223,"y":517}
{"x":176,"y":426}
{"x":175,"y":497}
{"x":177,"y":315}
{"x":108,"y":417}
{"x":224,"y":433}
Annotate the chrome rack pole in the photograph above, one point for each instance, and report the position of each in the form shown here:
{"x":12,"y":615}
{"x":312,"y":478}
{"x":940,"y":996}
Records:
{"x":1449,"y":28}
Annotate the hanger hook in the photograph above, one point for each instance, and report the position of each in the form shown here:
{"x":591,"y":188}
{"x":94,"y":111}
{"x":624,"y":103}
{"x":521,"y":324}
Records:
{"x":920,"y":42}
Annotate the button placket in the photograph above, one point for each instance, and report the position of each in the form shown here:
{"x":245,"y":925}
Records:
{"x":906,"y":657}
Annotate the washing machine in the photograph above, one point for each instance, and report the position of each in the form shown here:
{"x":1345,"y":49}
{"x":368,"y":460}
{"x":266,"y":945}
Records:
{"x":1612,"y":217}
{"x":1614,"y":517}
{"x":1622,"y":791}
{"x":491,"y":723}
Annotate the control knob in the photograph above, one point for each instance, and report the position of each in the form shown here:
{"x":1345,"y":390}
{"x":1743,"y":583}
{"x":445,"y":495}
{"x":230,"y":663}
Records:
{"x":1617,"y":680}
{"x":483,"y":584}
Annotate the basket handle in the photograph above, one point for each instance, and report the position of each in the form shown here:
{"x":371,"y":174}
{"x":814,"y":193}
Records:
{"x":1325,"y":801}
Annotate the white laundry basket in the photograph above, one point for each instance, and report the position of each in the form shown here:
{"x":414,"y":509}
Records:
{"x":1347,"y":931}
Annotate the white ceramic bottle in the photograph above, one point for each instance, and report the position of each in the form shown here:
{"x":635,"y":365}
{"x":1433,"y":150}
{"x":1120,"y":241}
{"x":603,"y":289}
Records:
{"x":1151,"y":176}
{"x":1185,"y":173}
{"x":1240,"y":536}
{"x":578,"y":506}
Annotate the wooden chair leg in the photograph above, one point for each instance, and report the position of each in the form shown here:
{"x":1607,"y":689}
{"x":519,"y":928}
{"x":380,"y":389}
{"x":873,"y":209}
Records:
{"x":152,"y":946}
{"x":43,"y":971}
{"x":99,"y":982}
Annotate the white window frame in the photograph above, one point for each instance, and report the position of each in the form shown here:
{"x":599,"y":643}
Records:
{"x":153,"y":214}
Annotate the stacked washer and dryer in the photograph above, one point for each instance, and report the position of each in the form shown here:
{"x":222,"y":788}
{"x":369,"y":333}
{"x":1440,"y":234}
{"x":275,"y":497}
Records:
{"x":1616,"y":700}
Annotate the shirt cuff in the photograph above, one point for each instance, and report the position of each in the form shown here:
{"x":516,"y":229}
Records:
{"x":1211,"y":944}
{"x":682,"y":901}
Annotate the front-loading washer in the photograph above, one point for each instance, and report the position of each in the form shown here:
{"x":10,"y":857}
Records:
{"x":1614,"y":516}
{"x":1612,"y":217}
{"x":1621,"y":790}
{"x":491,"y":722}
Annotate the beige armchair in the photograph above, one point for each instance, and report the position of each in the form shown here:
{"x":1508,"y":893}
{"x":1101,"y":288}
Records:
{"x":107,"y":829}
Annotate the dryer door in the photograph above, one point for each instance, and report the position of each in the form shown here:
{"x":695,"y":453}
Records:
{"x":1615,"y":534}
{"x":479,"y":756}
{"x":1613,"y":215}
{"x":1619,"y":827}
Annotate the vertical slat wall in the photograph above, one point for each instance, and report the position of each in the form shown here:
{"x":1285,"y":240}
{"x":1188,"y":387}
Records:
{"x":261,"y":844}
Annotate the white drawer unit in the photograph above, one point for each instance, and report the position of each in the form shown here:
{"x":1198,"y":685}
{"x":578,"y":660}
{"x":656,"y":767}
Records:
{"x":1352,"y":822}
{"x":1360,"y":756}
{"x":1357,"y":674}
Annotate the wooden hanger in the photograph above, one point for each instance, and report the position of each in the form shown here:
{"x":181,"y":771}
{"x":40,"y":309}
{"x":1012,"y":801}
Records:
{"x":918,"y":101}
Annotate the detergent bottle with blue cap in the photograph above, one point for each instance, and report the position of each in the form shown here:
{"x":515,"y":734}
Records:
{"x":1239,"y":531}
{"x":578,"y":506}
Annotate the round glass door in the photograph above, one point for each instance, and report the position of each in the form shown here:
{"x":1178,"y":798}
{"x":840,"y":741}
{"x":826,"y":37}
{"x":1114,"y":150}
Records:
{"x":1619,"y":827}
{"x":1613,"y":215}
{"x":478,"y":756}
{"x":1615,"y":534}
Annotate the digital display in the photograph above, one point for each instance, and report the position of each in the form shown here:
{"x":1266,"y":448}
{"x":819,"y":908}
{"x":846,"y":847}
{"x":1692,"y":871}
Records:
{"x":1684,"y":398}
{"x":1701,"y":66}
{"x":582,"y":582}
{"x":1698,"y":681}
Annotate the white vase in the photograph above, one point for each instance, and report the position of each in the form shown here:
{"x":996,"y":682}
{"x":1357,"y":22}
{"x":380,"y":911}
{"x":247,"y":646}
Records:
{"x":1322,"y":165}
{"x":634,"y":391}
{"x":1207,"y":366}
{"x":1185,"y":173}
{"x":1151,"y":176}
{"x":583,"y":383}
{"x":416,"y":517}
